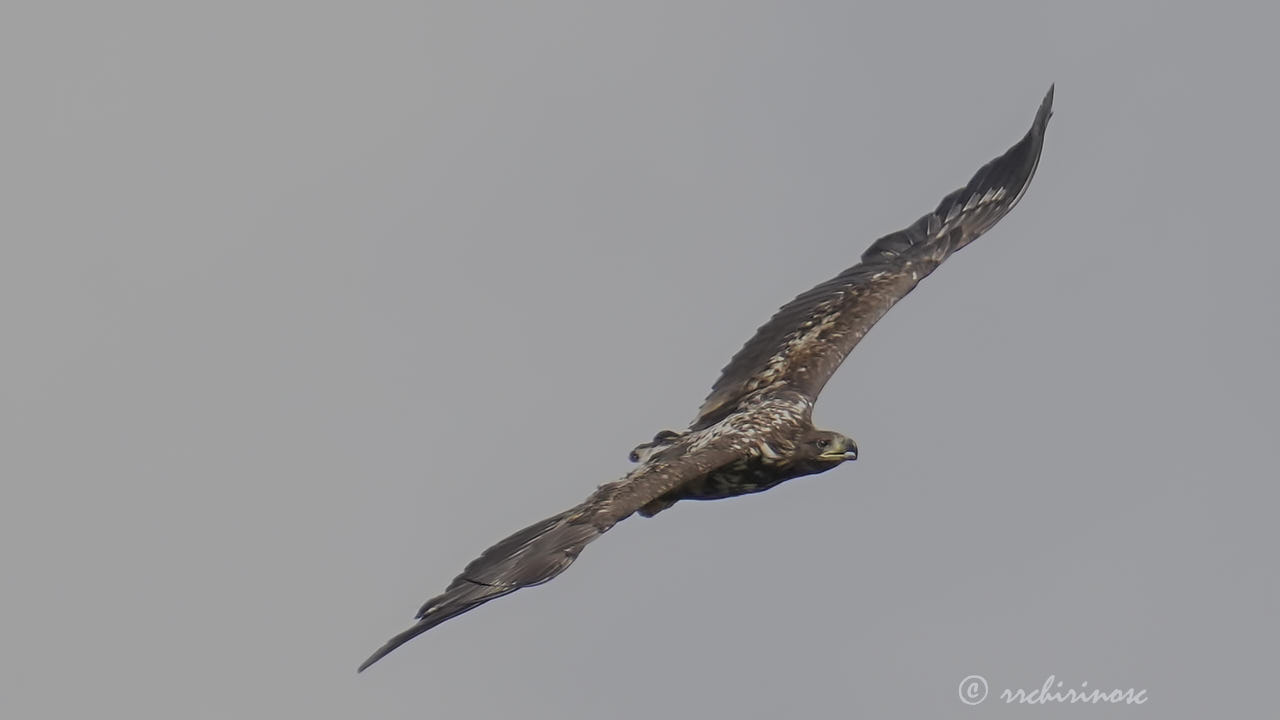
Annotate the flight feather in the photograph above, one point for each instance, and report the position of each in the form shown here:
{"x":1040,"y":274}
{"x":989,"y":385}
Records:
{"x":804,"y":343}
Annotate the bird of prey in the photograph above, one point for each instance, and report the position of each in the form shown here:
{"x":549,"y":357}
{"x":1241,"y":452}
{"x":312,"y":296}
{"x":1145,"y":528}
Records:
{"x":754,"y":430}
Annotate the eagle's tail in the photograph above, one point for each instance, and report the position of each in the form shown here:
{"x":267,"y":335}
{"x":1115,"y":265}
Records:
{"x":530,"y":557}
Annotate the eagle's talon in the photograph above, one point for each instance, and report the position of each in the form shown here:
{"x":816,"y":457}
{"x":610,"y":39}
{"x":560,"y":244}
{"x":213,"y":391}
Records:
{"x":663,"y":437}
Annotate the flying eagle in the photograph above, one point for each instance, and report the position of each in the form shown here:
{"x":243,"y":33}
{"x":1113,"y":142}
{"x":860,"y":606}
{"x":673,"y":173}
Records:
{"x":754,"y":431}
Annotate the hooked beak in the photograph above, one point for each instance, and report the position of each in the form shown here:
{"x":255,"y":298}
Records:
{"x":842,"y":455}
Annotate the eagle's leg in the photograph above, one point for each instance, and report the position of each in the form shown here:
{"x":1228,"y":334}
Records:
{"x":662,"y":439}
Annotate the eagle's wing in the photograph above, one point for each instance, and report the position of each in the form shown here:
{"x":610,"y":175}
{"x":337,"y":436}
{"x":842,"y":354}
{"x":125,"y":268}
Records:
{"x":543,"y":550}
{"x":804,"y":343}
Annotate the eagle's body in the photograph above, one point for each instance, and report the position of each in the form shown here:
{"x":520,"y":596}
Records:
{"x":755,"y":429}
{"x":776,"y":456}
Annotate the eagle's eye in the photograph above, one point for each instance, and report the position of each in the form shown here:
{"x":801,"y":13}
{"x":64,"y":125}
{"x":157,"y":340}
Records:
{"x":823,"y":443}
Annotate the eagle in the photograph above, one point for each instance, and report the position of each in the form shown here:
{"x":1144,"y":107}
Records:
{"x":754,"y":430}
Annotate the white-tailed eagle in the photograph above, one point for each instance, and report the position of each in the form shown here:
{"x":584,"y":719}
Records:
{"x":754,"y":430}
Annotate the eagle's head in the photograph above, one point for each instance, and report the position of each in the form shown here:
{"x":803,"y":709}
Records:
{"x":824,"y":447}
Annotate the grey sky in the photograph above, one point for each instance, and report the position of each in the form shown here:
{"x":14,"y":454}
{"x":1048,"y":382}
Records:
{"x":304,"y":304}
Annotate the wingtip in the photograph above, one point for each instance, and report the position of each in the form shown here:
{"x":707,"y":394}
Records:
{"x":393,"y":643}
{"x":1046,"y":109}
{"x":382,"y":652}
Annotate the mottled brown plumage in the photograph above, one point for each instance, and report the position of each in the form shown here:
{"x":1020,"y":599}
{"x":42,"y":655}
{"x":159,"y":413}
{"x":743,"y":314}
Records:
{"x":755,"y":430}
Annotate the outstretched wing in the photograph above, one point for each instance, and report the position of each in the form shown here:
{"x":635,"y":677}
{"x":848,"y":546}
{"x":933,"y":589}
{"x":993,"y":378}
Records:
{"x":804,"y":343}
{"x":543,"y":550}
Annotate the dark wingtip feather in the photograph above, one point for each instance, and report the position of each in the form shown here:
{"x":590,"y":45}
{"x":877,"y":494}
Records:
{"x":529,"y":557}
{"x":970,"y":210}
{"x":462,"y":596}
{"x":392,"y":644}
{"x":1046,"y":108}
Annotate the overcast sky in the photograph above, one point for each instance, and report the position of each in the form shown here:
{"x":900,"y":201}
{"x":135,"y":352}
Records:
{"x":305,"y":304}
